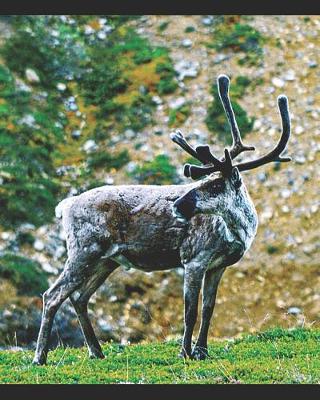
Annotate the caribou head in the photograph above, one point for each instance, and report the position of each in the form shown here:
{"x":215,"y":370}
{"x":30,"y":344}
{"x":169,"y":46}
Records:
{"x":226,"y":190}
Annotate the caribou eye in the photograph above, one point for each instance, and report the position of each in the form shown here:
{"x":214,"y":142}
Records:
{"x":217,"y":187}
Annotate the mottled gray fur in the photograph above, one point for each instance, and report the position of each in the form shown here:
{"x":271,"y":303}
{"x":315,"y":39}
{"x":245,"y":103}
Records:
{"x":203,"y":226}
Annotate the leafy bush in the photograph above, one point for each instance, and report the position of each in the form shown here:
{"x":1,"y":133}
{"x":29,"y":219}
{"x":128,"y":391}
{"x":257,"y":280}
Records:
{"x":111,"y":83}
{"x":168,"y":83}
{"x":28,"y":186}
{"x":216,"y":119}
{"x":25,"y":274}
{"x":107,"y":161}
{"x":239,"y":38}
{"x":156,"y":172}
{"x":179,"y":115}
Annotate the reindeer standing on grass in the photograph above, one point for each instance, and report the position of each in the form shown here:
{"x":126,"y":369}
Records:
{"x":203,"y":226}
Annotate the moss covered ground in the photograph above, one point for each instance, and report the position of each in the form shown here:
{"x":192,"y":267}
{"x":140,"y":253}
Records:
{"x":273,"y":356}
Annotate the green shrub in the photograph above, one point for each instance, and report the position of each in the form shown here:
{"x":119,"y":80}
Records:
{"x":107,"y":161}
{"x":240,"y":38}
{"x":25,"y":274}
{"x":190,"y":29}
{"x":156,"y":172}
{"x":216,"y":119}
{"x":179,"y":115}
{"x":163,"y":26}
{"x":167,"y":84}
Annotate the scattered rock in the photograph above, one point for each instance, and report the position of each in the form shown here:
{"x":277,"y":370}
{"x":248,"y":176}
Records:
{"x":294,"y":310}
{"x":88,"y":30}
{"x":217,"y":59}
{"x":109,"y":180}
{"x":285,"y":193}
{"x":207,"y":20}
{"x":279,"y":83}
{"x":76,"y":134}
{"x":186,"y":42}
{"x":101,"y":35}
{"x":61,"y":86}
{"x":38,"y":245}
{"x":157,"y":100}
{"x":90,"y":146}
{"x":290,"y":75}
{"x":130,"y":134}
{"x":298,"y":130}
{"x":178,"y":102}
{"x":32,"y":76}
{"x":312,"y":64}
{"x":28,"y":120}
{"x":186,"y":69}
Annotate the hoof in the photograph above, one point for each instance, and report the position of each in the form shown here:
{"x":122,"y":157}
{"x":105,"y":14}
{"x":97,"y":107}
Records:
{"x":39,"y":362}
{"x":199,"y":353}
{"x":183,"y":354}
{"x":96,"y":355}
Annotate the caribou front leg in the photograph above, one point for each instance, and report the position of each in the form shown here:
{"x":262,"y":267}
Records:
{"x":210,"y":287}
{"x":192,"y":284}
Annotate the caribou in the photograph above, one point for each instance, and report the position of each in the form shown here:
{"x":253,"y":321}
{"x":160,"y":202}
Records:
{"x":203,"y":226}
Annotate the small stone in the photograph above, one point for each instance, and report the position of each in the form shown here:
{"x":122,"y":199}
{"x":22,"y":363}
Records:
{"x":285,"y":209}
{"x":300,"y":159}
{"x":6,"y":235}
{"x":176,"y":103}
{"x":219,"y":58}
{"x":88,"y":30}
{"x":208,"y":20}
{"x":130,"y":134}
{"x":186,"y":69}
{"x":186,"y":42}
{"x":49,"y":268}
{"x":89,"y":146}
{"x":109,"y":180}
{"x":101,"y":35}
{"x":312,"y":64}
{"x":76,"y":134}
{"x":157,"y":100}
{"x":257,"y":124}
{"x":278,"y":82}
{"x":131,"y":166}
{"x":298,"y":130}
{"x":290,"y":75}
{"x":28,"y":120}
{"x":285,"y":193}
{"x":32,"y":76}
{"x":294,"y":310}
{"x":314,"y":208}
{"x":266,"y":214}
{"x":262,"y":177}
{"x":38,"y":245}
{"x":61,"y":86}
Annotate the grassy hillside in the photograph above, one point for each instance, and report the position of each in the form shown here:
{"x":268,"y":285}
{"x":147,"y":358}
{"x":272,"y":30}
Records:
{"x":274,"y":356}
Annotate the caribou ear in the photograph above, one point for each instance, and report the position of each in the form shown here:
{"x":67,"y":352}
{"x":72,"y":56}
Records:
{"x":236,"y":177}
{"x":186,"y":204}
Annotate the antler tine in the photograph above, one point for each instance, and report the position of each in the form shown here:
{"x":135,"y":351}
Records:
{"x":178,"y":138}
{"x":275,"y":154}
{"x":237,"y":145}
{"x":195,"y":171}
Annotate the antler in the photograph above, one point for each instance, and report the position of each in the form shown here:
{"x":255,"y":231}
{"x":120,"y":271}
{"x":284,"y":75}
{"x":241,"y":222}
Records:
{"x":237,"y":145}
{"x":212,"y":163}
{"x":275,"y":154}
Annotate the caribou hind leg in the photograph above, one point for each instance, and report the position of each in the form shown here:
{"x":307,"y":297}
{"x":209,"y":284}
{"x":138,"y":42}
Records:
{"x":80,"y":299}
{"x":78,"y":269}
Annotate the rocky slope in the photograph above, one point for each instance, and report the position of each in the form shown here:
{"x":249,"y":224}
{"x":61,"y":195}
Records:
{"x":277,"y":283}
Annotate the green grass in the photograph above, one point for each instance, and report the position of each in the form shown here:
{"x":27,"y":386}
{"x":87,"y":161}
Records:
{"x":275,"y":356}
